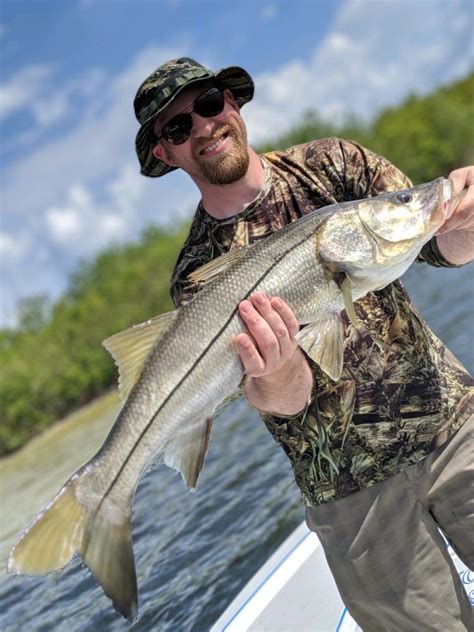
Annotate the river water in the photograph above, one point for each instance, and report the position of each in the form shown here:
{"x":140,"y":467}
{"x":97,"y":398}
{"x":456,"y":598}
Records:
{"x":193,"y":552}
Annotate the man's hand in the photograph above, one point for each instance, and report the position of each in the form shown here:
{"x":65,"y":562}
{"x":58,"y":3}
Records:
{"x":455,"y":238}
{"x":279,"y":378}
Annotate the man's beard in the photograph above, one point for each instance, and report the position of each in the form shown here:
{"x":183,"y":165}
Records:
{"x":233,"y":165}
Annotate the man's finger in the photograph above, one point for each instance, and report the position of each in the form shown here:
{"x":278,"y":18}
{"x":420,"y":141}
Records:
{"x":463,"y":216}
{"x":287,"y":315}
{"x":462,"y":178}
{"x":264,"y":306}
{"x":249,"y":356}
{"x":284,"y":326}
{"x":261,"y":331}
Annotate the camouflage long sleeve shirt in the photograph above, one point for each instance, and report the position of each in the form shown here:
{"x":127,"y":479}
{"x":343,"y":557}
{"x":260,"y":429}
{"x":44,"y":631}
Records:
{"x":402,"y":393}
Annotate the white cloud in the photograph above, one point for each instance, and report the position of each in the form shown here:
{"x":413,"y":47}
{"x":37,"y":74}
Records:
{"x":97,"y":146}
{"x":112,"y":227}
{"x":23,"y":88}
{"x":48,"y":111}
{"x":70,"y":196}
{"x":84,"y":223}
{"x":337,"y":43}
{"x":127,"y":188}
{"x":11,"y":248}
{"x":63,"y":223}
{"x":66,"y":223}
{"x":55,"y":104}
{"x":269,"y":12}
{"x":32,"y":90}
{"x":376,"y":53}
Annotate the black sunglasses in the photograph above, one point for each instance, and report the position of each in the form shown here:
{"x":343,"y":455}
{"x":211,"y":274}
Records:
{"x":178,"y":129}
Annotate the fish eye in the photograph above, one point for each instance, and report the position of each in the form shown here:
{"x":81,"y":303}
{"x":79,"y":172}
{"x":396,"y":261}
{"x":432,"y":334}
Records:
{"x":404,"y":198}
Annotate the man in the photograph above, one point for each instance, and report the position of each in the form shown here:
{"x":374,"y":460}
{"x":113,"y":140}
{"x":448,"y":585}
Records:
{"x":384,"y":456}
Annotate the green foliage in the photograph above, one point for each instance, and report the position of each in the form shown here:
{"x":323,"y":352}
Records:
{"x":33,"y":312}
{"x":313,"y":126}
{"x":426,"y":137}
{"x":429,"y":137}
{"x":54,"y":361}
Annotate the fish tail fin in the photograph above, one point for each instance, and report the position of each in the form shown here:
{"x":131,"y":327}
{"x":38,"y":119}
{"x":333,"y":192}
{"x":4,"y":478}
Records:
{"x":66,"y":527}
{"x":53,"y":537}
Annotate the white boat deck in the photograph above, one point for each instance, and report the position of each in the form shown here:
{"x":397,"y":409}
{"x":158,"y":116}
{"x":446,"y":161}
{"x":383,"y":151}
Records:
{"x":294,"y":591}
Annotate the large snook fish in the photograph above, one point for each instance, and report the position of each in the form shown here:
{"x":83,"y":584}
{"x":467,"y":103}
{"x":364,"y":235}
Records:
{"x":177,"y":368}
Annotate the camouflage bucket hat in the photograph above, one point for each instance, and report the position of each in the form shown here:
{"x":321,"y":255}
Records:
{"x":163,"y":86}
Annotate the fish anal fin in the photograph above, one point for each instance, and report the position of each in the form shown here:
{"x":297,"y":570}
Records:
{"x":323,"y":341}
{"x":210,"y":271}
{"x":187,"y":450}
{"x":130,"y":348}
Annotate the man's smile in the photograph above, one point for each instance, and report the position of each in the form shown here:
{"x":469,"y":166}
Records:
{"x":216,"y":146}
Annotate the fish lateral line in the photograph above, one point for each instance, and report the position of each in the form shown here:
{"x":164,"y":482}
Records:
{"x":194,"y":365}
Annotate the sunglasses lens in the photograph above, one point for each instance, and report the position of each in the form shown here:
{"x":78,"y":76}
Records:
{"x":211,"y":103}
{"x":178,"y":129}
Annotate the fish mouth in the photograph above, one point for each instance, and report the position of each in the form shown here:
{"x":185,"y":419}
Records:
{"x":445,"y":206}
{"x":448,"y":200}
{"x":449,"y":203}
{"x":453,"y":202}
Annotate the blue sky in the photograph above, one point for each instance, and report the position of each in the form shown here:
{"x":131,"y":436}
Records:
{"x":69,"y":70}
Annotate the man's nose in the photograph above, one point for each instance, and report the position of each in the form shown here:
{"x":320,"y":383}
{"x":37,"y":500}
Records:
{"x":203,"y":126}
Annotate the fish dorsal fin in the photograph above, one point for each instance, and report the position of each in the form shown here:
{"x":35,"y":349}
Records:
{"x":130,"y":348}
{"x":187,"y":450}
{"x":323,"y":341}
{"x":210,"y":271}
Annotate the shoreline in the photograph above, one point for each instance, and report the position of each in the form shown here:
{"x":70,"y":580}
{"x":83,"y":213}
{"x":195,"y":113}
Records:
{"x":32,"y":475}
{"x":95,"y":407}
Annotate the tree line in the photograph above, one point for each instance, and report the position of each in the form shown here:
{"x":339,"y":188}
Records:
{"x":53,"y":361}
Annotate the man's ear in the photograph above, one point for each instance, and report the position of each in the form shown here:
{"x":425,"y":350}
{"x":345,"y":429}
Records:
{"x":161,"y":153}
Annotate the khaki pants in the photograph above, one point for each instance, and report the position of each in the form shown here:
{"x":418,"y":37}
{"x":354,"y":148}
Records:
{"x":384,"y":549}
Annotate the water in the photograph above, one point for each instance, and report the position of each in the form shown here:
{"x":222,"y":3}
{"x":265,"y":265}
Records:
{"x":194,"y":552}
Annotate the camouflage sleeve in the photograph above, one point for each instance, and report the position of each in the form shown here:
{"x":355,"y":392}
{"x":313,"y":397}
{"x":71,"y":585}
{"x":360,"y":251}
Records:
{"x":181,"y":291}
{"x":359,"y":172}
{"x":431,"y":254}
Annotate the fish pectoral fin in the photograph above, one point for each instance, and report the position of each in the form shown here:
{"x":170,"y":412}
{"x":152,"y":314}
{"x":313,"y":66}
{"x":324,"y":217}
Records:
{"x":210,"y":271}
{"x":187,"y":450}
{"x":323,"y":341}
{"x":334,"y":273}
{"x":66,"y":527}
{"x":130,"y":349}
{"x":346,"y":288}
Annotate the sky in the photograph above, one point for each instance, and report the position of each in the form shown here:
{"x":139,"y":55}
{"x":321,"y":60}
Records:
{"x":69,"y":69}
